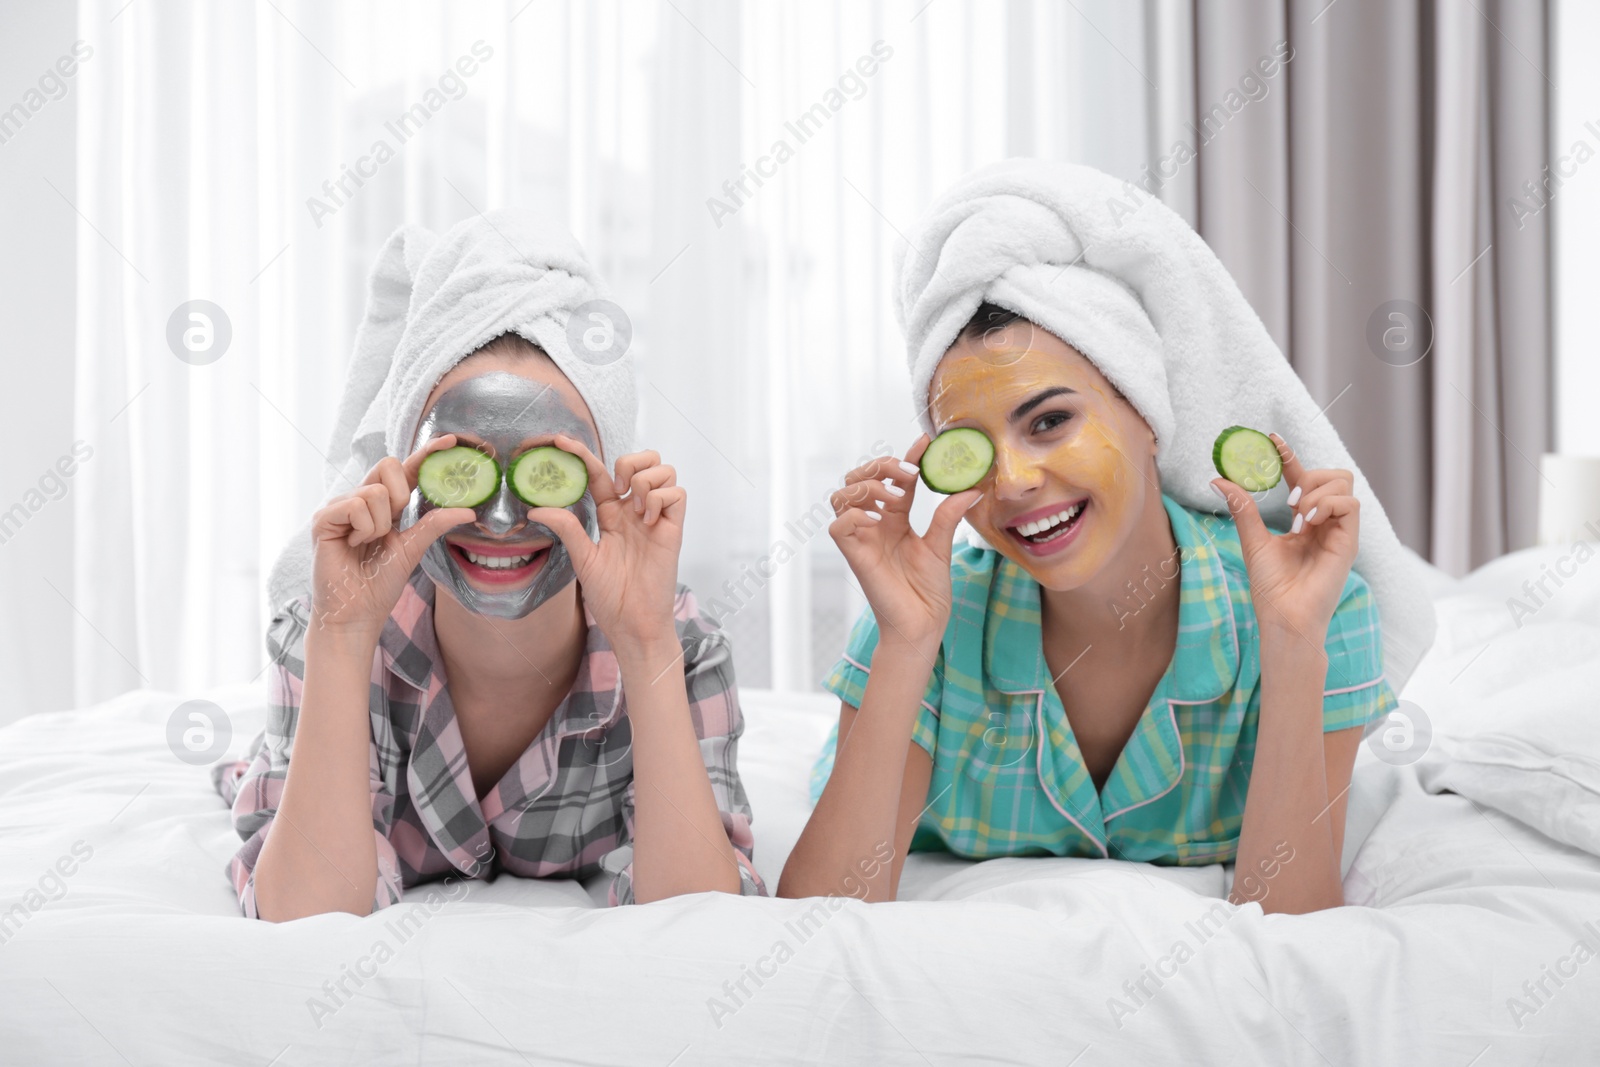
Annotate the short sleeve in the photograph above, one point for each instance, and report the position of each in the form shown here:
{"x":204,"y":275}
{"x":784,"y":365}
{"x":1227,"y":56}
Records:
{"x":848,"y":682}
{"x":253,"y":787}
{"x":718,"y":723}
{"x":1355,"y":692}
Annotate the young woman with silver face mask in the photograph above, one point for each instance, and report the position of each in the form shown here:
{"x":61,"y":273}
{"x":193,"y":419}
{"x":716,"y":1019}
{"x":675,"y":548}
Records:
{"x":498,"y":688}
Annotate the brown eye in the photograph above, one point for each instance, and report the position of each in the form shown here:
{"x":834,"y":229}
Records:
{"x":1052,"y":420}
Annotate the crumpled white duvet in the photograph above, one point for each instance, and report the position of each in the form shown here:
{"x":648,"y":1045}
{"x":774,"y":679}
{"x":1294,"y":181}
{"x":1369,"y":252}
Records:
{"x":1461,"y":943}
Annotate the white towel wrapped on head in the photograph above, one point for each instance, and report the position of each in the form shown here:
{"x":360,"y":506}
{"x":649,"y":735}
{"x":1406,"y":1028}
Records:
{"x":1123,"y":279}
{"x":431,"y":302}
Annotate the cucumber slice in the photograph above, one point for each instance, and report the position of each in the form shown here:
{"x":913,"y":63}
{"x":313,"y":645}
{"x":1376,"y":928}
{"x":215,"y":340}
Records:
{"x":549,"y":477}
{"x":1247,"y":458}
{"x":957,"y":460}
{"x":458,"y":477}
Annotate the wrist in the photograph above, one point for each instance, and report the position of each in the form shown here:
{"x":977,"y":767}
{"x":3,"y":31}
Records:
{"x":640,"y":648}
{"x":1301,"y":644}
{"x":342,"y":642}
{"x":914,"y":654}
{"x":922,"y":647}
{"x":1273,"y":618}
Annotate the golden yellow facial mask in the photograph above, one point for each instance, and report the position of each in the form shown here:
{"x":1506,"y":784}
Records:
{"x":1071,"y":456}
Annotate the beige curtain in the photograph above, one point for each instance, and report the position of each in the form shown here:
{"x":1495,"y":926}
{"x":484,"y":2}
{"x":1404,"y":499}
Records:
{"x":1363,"y":197}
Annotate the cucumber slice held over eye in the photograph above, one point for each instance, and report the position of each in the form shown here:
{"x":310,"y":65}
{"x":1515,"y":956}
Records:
{"x":1247,"y":458}
{"x":458,"y":477}
{"x":549,"y":477}
{"x":957,"y":460}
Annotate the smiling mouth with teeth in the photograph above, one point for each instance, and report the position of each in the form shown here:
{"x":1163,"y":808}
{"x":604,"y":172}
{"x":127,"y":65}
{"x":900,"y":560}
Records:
{"x":1042,"y":531}
{"x":498,"y":567}
{"x":498,"y":562}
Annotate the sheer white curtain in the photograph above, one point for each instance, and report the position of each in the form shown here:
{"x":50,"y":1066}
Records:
{"x":230,"y":154}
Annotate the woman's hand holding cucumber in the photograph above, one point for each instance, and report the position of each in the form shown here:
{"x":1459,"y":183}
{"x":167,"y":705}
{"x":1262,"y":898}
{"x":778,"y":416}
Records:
{"x":906,"y":577}
{"x":329,"y":861}
{"x":880,"y":776}
{"x":629,"y":579}
{"x":362,"y":562}
{"x":1296,"y":578}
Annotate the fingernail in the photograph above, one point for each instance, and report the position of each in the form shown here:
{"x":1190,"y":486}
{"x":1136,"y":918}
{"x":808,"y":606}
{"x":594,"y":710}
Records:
{"x":1299,"y":521}
{"x":894,"y":490}
{"x":1311,"y":514}
{"x":1217,"y":489}
{"x":1294,"y":497}
{"x":909,"y":468}
{"x":875,"y":514}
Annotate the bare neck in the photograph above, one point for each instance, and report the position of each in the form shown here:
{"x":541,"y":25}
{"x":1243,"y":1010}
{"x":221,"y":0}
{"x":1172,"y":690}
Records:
{"x":511,"y":663}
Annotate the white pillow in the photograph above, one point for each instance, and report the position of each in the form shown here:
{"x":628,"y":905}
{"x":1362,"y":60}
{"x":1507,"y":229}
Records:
{"x":1531,"y":749}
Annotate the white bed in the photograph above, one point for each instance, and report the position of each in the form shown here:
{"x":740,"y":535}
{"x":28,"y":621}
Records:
{"x":1457,"y":899}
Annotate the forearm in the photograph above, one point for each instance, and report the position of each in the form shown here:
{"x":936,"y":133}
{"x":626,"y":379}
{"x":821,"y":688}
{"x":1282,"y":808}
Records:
{"x":320,"y":854}
{"x":1286,"y":859}
{"x":859,"y":810}
{"x":680,"y":845}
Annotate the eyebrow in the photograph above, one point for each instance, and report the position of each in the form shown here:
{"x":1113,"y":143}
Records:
{"x":1034,"y":401}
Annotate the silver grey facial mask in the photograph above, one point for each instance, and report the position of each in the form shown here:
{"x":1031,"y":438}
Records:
{"x":500,"y":411}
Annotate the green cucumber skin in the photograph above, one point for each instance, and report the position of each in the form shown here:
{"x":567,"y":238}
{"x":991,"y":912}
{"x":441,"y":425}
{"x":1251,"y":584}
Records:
{"x":922,"y":470}
{"x":582,"y":481}
{"x":1216,"y":460}
{"x":435,"y":501}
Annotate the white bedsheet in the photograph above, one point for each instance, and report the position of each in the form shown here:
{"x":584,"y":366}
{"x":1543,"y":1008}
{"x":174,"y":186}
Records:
{"x":139,"y":955}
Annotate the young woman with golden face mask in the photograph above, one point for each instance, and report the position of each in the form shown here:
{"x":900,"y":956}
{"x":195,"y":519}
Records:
{"x":1118,"y":676}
